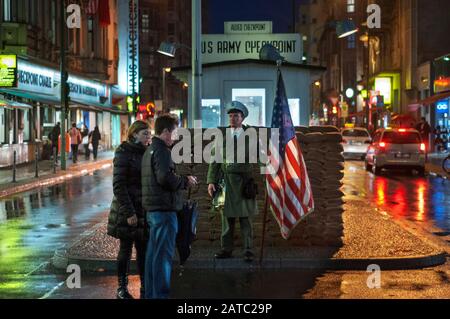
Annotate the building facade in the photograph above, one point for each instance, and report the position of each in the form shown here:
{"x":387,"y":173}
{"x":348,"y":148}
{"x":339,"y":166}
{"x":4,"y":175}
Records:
{"x":165,"y":20}
{"x":381,"y":65}
{"x":31,"y":31}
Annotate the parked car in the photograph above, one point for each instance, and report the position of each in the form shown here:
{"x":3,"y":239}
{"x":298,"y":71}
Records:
{"x":356,"y":142}
{"x":396,"y":148}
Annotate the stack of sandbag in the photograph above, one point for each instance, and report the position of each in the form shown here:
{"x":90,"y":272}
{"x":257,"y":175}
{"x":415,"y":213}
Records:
{"x":322,"y":152}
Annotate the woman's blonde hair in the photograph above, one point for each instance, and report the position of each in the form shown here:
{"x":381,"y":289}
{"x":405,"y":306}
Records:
{"x":135,"y":128}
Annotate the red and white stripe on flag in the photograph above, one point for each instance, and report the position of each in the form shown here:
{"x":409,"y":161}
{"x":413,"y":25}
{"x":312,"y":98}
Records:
{"x":288,"y":187}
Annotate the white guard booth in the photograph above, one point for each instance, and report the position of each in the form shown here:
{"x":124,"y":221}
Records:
{"x":232,"y":70}
{"x":252,"y":82}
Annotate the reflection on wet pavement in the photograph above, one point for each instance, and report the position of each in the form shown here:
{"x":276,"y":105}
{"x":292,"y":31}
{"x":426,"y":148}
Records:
{"x":421,"y":199}
{"x":35,"y":223}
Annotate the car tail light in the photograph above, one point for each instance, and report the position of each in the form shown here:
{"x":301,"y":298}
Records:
{"x":382,"y":144}
{"x":422,"y":147}
{"x":402,"y":130}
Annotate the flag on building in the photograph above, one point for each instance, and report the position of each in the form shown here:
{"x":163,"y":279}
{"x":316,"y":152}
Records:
{"x":103,"y":13}
{"x":91,"y":7}
{"x":288,"y":188}
{"x":99,"y":8}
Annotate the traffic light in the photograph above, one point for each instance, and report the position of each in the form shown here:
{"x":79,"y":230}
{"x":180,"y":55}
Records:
{"x":133,"y":102}
{"x":151,"y":109}
{"x":334,"y":110}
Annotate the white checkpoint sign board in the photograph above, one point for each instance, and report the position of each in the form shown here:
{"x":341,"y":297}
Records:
{"x":230,"y":47}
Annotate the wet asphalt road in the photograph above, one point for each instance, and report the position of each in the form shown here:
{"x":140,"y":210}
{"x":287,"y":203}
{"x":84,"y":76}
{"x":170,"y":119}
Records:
{"x":423,"y":200}
{"x":34,"y":224}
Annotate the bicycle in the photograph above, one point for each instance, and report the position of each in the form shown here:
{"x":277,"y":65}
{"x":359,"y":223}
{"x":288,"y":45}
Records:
{"x":446,"y":165}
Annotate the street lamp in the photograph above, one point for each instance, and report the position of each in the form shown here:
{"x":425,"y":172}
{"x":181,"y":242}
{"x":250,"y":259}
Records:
{"x":168,"y":49}
{"x":345,"y":28}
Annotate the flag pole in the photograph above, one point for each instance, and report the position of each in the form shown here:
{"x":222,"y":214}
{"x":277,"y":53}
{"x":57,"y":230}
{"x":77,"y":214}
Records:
{"x":266,"y":208}
{"x":266,"y":201}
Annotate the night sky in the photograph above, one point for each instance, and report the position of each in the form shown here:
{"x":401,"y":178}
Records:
{"x":278,"y":11}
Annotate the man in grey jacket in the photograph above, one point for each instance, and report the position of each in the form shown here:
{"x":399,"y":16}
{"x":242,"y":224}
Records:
{"x":161,"y":199}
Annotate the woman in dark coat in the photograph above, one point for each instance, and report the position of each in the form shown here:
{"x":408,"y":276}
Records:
{"x":127,"y":217}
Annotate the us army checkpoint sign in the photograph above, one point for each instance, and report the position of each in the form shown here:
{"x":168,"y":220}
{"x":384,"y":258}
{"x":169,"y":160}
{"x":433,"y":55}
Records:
{"x":229,"y":47}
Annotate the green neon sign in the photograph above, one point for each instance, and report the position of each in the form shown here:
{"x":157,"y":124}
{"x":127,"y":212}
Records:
{"x":8,"y":71}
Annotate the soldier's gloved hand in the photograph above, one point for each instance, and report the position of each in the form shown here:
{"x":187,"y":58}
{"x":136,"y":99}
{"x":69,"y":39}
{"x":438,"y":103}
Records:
{"x":211,"y":189}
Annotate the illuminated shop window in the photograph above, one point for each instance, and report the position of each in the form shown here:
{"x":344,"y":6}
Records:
{"x":210,"y":113}
{"x":255,"y":101}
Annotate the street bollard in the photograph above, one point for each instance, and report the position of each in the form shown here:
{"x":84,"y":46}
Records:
{"x":14,"y":167}
{"x":36,"y":165}
{"x":54,"y":160}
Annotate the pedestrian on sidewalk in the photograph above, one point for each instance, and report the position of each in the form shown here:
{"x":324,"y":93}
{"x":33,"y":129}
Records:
{"x":95,"y":138}
{"x":75,"y":140}
{"x":162,"y":199}
{"x":127,"y":217}
{"x":85,"y":141}
{"x":424,"y":129}
{"x":53,"y":136}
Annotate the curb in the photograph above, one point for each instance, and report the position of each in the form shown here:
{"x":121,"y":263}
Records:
{"x":50,"y":179}
{"x":61,"y":260}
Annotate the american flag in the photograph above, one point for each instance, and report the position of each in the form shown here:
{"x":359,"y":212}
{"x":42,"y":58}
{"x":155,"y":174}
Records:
{"x":91,"y":7}
{"x":288,"y":187}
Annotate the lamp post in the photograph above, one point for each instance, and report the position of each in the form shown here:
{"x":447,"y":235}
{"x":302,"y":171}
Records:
{"x":63,"y":84}
{"x":169,"y":49}
{"x":196,"y":62}
{"x":165,"y":71}
{"x":366,"y":38}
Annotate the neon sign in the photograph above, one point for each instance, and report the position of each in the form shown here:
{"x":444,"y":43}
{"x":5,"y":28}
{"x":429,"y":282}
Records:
{"x":442,"y":107}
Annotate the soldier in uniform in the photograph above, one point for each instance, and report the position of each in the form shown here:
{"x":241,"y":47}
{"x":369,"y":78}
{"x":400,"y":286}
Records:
{"x":234,"y":175}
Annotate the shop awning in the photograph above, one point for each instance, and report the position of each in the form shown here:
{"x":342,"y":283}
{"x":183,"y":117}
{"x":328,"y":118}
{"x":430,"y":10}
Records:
{"x":13,"y":104}
{"x":42,"y":98}
{"x":54,"y":100}
{"x":94,"y":108}
{"x":433,"y":99}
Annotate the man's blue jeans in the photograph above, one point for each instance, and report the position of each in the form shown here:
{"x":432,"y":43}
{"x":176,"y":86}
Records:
{"x":163,"y":227}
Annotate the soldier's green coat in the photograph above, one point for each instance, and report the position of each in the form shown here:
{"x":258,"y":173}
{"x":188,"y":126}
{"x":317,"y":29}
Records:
{"x":232,"y":173}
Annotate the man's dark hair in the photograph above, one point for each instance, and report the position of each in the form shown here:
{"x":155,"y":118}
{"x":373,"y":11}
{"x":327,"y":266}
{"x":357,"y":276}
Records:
{"x":165,"y":121}
{"x":74,"y":125}
{"x":424,"y":119}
